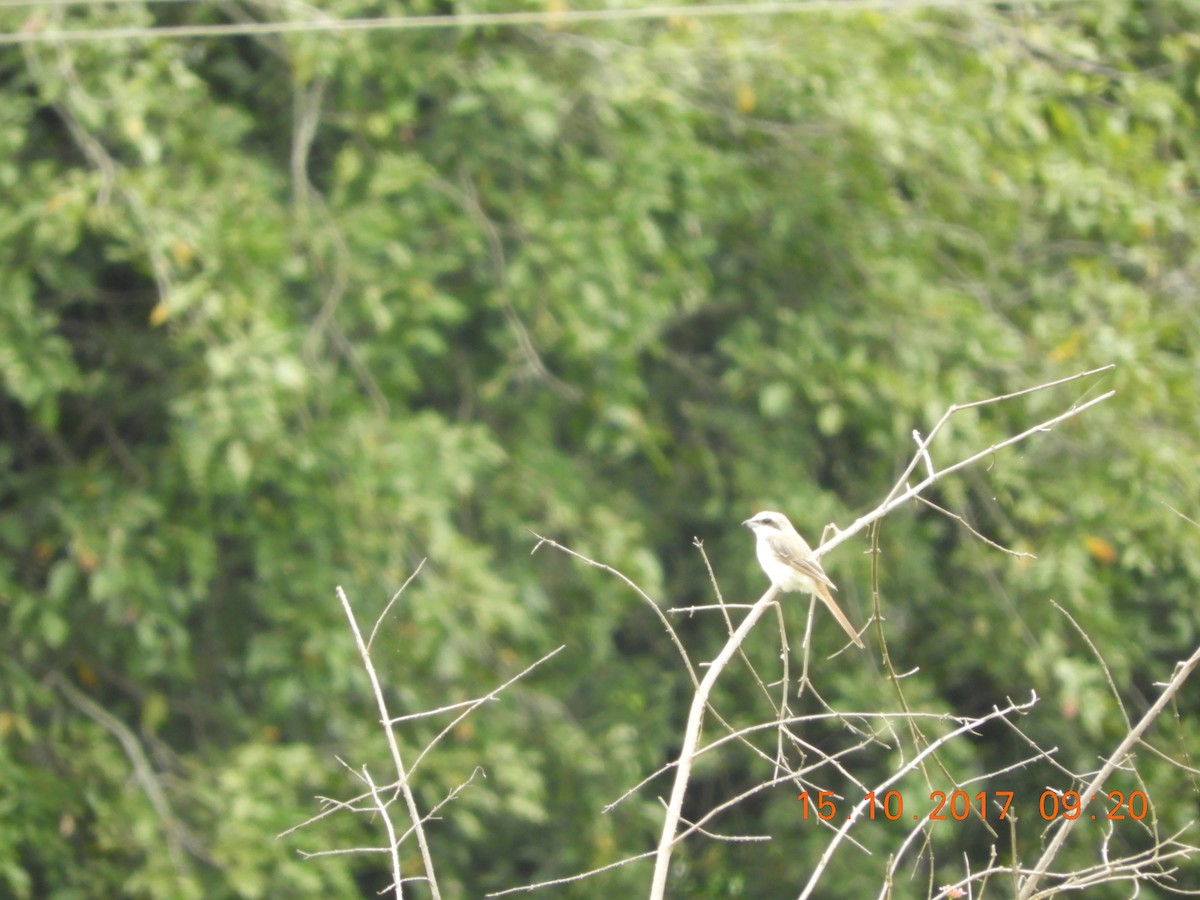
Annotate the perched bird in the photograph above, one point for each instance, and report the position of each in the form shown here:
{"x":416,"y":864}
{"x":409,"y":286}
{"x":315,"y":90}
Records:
{"x":788,"y":561}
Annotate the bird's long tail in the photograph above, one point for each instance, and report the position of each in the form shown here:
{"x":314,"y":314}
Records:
{"x":831,"y":604}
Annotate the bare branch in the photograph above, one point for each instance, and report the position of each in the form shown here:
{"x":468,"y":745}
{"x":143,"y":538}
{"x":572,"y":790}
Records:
{"x":856,"y":813}
{"x":395,"y":597}
{"x":668,"y":838}
{"x":630,"y":584}
{"x":882,"y":510}
{"x":570,"y":878}
{"x":491,"y":695}
{"x":1112,"y":685}
{"x":1181,"y":515}
{"x":967,"y":525}
{"x":393,"y":844}
{"x":691,"y":737}
{"x":178,"y":838}
{"x":1182,"y":672}
{"x":397,"y":760}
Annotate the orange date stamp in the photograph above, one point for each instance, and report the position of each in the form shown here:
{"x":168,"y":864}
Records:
{"x":959,"y":805}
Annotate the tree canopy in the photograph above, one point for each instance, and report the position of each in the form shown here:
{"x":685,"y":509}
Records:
{"x":280,"y":312}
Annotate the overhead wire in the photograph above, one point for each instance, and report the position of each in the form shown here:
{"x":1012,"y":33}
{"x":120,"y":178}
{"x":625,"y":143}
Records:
{"x":34,"y":33}
{"x":16,"y":4}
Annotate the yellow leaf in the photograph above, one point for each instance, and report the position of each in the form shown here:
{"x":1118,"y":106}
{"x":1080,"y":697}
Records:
{"x":155,"y":710}
{"x":86,"y":558}
{"x":182,"y":252}
{"x":159,"y":314}
{"x":1067,"y":349}
{"x":1101,"y":550}
{"x":86,"y":675}
{"x":746,"y":99}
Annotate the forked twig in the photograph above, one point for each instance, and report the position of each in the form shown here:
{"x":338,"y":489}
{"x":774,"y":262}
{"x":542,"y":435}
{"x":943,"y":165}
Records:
{"x":397,"y":760}
{"x":1029,"y":885}
{"x":856,"y":813}
{"x":373,"y":800}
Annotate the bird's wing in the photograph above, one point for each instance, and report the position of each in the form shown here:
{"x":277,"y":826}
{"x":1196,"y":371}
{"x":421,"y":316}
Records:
{"x":800,"y":559}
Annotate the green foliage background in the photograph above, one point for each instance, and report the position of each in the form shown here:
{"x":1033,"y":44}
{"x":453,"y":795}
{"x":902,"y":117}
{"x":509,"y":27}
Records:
{"x":281,"y":313}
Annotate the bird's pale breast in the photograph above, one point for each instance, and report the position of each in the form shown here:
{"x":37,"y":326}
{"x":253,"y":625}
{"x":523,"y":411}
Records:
{"x":781,"y":574}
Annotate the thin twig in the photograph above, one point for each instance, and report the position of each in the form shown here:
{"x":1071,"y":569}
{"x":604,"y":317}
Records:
{"x":393,"y":844}
{"x":654,"y":606}
{"x":687,"y":662}
{"x":856,"y":812}
{"x":967,"y":525}
{"x":709,"y":607}
{"x":922,"y":444}
{"x":395,"y":597}
{"x":397,"y":760}
{"x":1112,"y":685}
{"x":486,"y":698}
{"x":337,"y":805}
{"x":178,"y":838}
{"x":1181,"y":515}
{"x":525,"y":888}
{"x":1116,"y":758}
{"x":880,"y":511}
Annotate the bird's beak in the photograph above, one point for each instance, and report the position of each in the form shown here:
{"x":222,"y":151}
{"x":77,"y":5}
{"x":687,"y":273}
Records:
{"x":747,"y":522}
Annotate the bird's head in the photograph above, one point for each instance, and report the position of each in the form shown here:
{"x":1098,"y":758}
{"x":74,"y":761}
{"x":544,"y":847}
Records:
{"x":767,"y":522}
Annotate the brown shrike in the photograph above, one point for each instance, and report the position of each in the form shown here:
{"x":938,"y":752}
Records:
{"x":790,"y":564}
